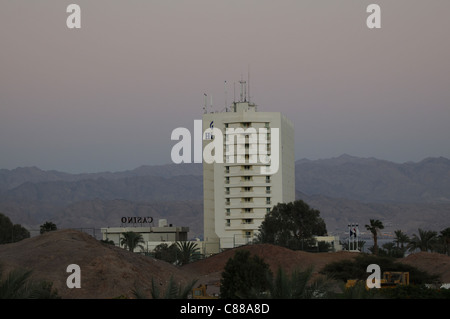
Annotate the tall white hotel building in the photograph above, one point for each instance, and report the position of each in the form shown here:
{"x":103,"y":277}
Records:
{"x":237,"y":194}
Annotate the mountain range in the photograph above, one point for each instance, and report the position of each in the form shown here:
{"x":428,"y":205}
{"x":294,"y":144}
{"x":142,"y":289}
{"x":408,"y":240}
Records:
{"x":344,"y":189}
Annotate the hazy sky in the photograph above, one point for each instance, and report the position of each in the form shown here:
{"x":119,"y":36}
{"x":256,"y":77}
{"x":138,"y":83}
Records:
{"x":107,"y":96}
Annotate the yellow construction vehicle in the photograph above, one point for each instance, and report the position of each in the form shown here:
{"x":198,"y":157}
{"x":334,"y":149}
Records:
{"x":200,"y":293}
{"x":390,"y":279}
{"x":351,"y":283}
{"x":393,"y":279}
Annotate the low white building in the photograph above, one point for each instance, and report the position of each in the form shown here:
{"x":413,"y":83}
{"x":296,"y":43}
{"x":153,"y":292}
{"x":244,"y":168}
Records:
{"x":152,"y":236}
{"x":332,"y":240}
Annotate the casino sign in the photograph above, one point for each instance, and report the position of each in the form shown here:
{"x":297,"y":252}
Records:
{"x":136,"y":220}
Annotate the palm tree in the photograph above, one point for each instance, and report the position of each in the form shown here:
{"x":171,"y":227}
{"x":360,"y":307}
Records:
{"x":299,"y":285}
{"x":361,"y":244}
{"x":173,"y":291}
{"x":18,"y":285}
{"x":445,"y":237}
{"x":424,"y":241}
{"x":132,"y":240}
{"x":390,"y":248}
{"x":374,"y":227}
{"x":400,"y":239}
{"x":188,"y":252}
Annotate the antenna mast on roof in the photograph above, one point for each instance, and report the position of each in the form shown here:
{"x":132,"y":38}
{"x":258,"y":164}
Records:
{"x":248,"y":84}
{"x":211,"y":104}
{"x":243,"y":90}
{"x":226,"y":103}
{"x":205,"y":106}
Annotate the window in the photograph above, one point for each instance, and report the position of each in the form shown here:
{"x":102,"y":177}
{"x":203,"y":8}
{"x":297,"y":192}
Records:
{"x":268,"y":190}
{"x":267,"y":200}
{"x":267,"y":179}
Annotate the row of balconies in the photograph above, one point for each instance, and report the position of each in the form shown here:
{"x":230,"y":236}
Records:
{"x":249,"y":172}
{"x":244,"y":212}
{"x":247,"y":201}
{"x":247,"y":178}
{"x":233,"y":185}
{"x":248,"y":124}
{"x":244,"y":224}
{"x":246,"y":148}
{"x":247,"y":140}
{"x":237,"y":169}
{"x":241,"y":160}
{"x":267,"y":191}
{"x":247,"y":193}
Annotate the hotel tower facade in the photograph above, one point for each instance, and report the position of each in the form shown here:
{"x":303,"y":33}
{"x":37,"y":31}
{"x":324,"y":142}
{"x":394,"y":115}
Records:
{"x":241,"y":189}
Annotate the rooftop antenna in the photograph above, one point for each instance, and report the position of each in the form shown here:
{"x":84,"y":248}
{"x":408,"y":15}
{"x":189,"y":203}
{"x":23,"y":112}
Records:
{"x":205,"y":106}
{"x":243,"y":90}
{"x":226,"y":104}
{"x":211,"y":104}
{"x":248,"y":84}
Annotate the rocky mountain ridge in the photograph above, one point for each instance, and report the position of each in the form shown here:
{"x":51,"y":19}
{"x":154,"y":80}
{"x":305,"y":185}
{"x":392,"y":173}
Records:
{"x":345,"y":189}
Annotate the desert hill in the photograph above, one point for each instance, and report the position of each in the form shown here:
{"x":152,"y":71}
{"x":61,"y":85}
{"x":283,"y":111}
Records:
{"x":109,"y":272}
{"x":106,"y":271}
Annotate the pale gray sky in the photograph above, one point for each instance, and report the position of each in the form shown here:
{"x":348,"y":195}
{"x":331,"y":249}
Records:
{"x":107,"y":96}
